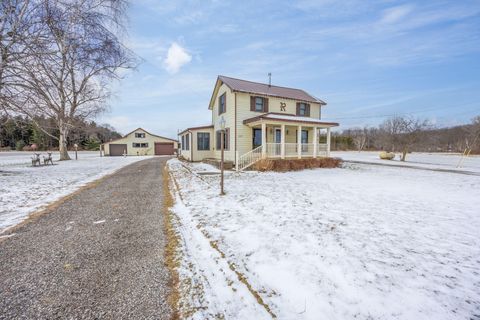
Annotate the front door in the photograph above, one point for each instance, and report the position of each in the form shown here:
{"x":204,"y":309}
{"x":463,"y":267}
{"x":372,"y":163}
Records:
{"x":278,"y":141}
{"x":304,"y":140}
{"x":257,"y":138}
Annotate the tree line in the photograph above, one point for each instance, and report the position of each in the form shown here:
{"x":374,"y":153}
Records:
{"x":22,"y":134}
{"x":58,"y":59}
{"x":406,"y":134}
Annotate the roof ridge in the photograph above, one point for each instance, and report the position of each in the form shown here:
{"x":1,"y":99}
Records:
{"x":266,"y":84}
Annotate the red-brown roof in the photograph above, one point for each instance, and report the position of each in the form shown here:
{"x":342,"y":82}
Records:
{"x":265,"y":89}
{"x":142,"y":130}
{"x":195,"y":128}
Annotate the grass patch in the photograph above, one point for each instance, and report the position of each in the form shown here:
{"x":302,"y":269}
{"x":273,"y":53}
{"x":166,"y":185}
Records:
{"x":172,"y":260}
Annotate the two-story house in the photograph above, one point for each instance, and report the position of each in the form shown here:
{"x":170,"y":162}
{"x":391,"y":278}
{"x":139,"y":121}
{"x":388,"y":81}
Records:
{"x":260,"y":121}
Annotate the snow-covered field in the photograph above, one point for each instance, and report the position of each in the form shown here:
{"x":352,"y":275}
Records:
{"x":359,"y":242}
{"x":443,"y":161}
{"x":25,"y":189}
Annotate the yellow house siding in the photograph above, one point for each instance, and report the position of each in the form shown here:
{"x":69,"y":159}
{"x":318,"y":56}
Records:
{"x":229,"y":117}
{"x":130,"y":139}
{"x":245,"y":133}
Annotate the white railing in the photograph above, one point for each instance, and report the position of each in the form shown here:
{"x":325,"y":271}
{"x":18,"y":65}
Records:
{"x":249,"y":158}
{"x":291,"y":149}
{"x":322,"y":150}
{"x":307,"y":149}
{"x":274,"y":150}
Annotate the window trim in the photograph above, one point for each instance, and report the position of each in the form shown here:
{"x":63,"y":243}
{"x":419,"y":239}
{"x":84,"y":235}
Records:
{"x":140,"y":135}
{"x":201,"y":141}
{"x":226,"y":139}
{"x":224,"y":109}
{"x":139,"y":144}
{"x":306,"y":110}
{"x":187,"y":142}
{"x":253,"y":104}
{"x":257,"y":99}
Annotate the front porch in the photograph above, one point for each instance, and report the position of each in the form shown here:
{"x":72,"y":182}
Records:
{"x":285,"y":137}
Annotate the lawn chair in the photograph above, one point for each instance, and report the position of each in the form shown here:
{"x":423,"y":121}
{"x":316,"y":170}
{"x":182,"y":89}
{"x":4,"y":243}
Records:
{"x":36,"y":159}
{"x":48,"y":159}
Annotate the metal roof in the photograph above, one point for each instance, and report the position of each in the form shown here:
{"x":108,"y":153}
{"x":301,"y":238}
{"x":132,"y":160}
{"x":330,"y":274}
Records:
{"x":268,"y":90}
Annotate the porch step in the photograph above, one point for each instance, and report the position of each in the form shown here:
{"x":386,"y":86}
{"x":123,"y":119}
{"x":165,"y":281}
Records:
{"x":227,"y":165}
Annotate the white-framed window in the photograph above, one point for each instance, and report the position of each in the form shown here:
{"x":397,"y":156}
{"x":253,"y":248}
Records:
{"x":187,"y":141}
{"x":222,"y":103}
{"x":203,"y":141}
{"x":139,"y":135}
{"x":139,"y":145}
{"x":259,"y":104}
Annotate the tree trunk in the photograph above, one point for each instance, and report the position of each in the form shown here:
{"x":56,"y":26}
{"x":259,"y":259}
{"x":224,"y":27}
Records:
{"x":404,"y":154}
{"x":62,"y":145}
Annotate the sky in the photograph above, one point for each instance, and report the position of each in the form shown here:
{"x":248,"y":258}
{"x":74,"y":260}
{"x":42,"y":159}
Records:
{"x":367,"y":59}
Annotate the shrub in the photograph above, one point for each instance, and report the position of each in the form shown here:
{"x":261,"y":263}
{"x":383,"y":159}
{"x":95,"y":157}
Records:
{"x":283,"y":165}
{"x":19,"y":145}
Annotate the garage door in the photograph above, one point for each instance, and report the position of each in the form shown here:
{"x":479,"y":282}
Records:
{"x":117,"y":149}
{"x":164,"y":148}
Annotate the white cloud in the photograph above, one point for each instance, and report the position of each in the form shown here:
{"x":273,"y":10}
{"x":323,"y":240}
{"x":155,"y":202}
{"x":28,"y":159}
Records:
{"x":395,"y":14}
{"x":176,"y":58}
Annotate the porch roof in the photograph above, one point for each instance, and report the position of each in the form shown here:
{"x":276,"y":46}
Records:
{"x":279,"y":118}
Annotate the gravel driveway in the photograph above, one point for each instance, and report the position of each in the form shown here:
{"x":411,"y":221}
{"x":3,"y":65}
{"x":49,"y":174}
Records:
{"x":99,"y":255}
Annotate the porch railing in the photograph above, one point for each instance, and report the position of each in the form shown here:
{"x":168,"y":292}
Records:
{"x":322,"y":150}
{"x":274,"y":150}
{"x":291,"y":149}
{"x":248,"y":159}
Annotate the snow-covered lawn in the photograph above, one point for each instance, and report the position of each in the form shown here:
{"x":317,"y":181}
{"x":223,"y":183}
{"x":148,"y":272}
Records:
{"x":25,"y":189}
{"x":359,"y":242}
{"x":444,"y":161}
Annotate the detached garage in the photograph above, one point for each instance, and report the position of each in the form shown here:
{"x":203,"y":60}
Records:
{"x":140,"y":142}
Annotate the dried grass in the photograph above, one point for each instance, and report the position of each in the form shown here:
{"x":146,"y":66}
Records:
{"x":171,"y":248}
{"x":283,"y":165}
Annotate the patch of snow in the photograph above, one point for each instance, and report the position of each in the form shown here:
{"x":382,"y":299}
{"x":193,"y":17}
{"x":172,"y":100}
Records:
{"x":25,"y":189}
{"x":443,"y":161}
{"x":361,"y":242}
{"x":202,"y":167}
{"x":99,"y":221}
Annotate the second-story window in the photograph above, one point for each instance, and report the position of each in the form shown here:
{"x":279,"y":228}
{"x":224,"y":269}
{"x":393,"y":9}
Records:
{"x":303,"y":109}
{"x":258,"y":104}
{"x":222,"y":103}
{"x":139,"y":135}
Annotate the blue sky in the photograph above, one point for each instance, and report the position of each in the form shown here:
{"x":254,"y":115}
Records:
{"x":366,"y":59}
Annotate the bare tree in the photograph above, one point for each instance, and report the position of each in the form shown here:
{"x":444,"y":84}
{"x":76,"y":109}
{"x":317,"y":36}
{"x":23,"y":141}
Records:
{"x":360,"y":137}
{"x":17,"y":29}
{"x":68,"y":76}
{"x":404,"y":132}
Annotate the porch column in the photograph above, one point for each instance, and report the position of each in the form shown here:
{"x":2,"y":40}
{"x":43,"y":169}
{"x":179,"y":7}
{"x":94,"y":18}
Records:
{"x":315,"y":141}
{"x":299,"y":142}
{"x":264,"y":140}
{"x":328,"y":142}
{"x":282,"y":150}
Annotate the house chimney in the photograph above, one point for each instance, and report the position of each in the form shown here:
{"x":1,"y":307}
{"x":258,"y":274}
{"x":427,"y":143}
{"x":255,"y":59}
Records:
{"x":269,"y":79}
